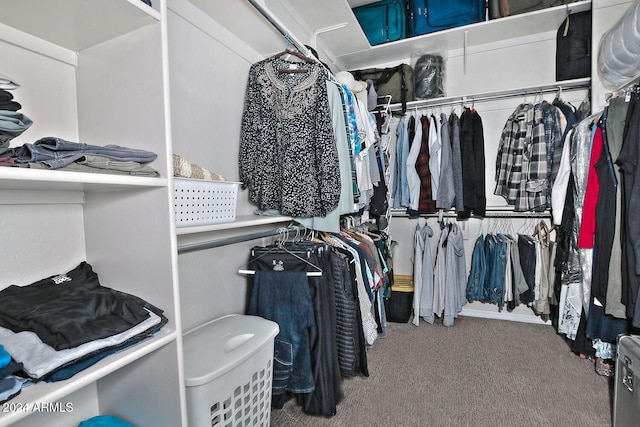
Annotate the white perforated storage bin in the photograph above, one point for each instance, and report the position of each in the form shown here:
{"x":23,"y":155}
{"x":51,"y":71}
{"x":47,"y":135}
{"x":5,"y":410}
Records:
{"x":228,"y":368}
{"x":204,"y":202}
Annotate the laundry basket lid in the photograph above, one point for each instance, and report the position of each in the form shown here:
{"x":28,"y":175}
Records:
{"x":218,"y":346}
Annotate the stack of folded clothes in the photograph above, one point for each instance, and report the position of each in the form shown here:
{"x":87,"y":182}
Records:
{"x":57,"y":153}
{"x":60,"y":325}
{"x":12,"y":122}
{"x":10,"y":384}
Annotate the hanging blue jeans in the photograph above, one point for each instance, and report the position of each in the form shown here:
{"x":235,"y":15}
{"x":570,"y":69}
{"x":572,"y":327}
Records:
{"x":490,"y":255}
{"x":496,"y":248}
{"x":475,"y":284}
{"x":284,"y":297}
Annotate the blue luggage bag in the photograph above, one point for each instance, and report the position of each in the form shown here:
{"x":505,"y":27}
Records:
{"x":428,"y":16}
{"x":383,"y":21}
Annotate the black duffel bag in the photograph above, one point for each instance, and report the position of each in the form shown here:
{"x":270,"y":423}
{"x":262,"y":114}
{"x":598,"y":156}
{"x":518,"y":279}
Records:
{"x":394,"y":81}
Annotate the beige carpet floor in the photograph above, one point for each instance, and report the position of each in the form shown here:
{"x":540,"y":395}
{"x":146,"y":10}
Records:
{"x":480,"y":372}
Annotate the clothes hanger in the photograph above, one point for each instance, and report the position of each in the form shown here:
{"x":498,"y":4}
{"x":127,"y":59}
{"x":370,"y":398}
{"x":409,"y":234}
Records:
{"x":537,"y":229}
{"x":295,"y":53}
{"x":317,"y":273}
{"x":537,"y":97}
{"x":366,"y":231}
{"x":531,"y":224}
{"x":293,"y":68}
{"x":279,"y":246}
{"x":512,"y":231}
{"x":298,"y":235}
{"x":554,"y":228}
{"x":543,"y":233}
{"x":502,"y":226}
{"x":491,"y":224}
{"x":523,"y":227}
{"x":385,"y":105}
{"x":288,"y":51}
{"x":565,"y":32}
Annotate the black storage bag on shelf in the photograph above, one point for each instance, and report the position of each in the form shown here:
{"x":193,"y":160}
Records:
{"x":428,"y":77}
{"x":394,"y":81}
{"x":428,"y":16}
{"x":573,"y":47}
{"x":502,"y":8}
{"x":383,"y":21}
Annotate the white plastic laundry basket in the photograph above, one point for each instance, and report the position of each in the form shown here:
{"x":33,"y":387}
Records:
{"x":204,"y":202}
{"x":228,"y":372}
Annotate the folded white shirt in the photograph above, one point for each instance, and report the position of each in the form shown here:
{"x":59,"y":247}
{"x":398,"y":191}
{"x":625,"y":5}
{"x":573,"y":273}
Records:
{"x":40,"y":359}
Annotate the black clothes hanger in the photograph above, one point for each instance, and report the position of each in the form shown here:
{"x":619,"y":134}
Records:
{"x":288,"y":51}
{"x":294,"y":53}
{"x":294,"y":69}
{"x":280,"y":247}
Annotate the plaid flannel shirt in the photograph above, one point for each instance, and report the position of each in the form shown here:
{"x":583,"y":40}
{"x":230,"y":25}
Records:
{"x":535,"y":163}
{"x":524,"y":160}
{"x":510,"y":151}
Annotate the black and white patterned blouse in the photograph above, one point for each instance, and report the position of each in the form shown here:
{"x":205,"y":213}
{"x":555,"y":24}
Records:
{"x":288,"y":155}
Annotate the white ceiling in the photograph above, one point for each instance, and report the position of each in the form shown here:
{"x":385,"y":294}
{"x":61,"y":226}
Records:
{"x":300,"y":17}
{"x":347,"y":48}
{"x":313,"y":15}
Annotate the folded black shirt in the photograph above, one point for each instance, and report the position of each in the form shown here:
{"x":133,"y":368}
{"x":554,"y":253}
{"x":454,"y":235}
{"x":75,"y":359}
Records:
{"x":70,"y":309}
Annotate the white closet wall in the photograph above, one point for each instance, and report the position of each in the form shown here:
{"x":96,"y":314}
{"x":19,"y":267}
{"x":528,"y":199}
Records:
{"x":208,"y":69}
{"x":95,"y":72}
{"x":208,"y":74}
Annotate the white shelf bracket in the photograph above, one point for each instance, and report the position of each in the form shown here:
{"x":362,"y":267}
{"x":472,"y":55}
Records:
{"x":314,"y":37}
{"x":466,"y":37}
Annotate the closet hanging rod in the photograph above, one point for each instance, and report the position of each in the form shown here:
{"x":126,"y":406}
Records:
{"x":235,"y":239}
{"x":397,"y":213}
{"x":269,"y":16}
{"x":488,"y":96}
